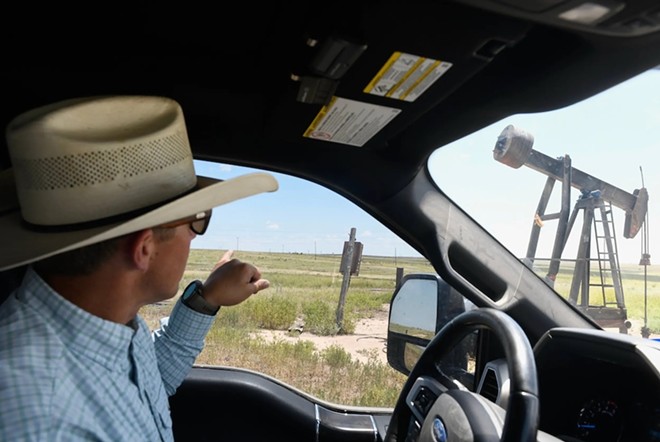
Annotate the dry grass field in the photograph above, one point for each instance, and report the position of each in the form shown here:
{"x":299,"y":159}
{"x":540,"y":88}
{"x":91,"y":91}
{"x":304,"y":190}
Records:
{"x":349,"y":367}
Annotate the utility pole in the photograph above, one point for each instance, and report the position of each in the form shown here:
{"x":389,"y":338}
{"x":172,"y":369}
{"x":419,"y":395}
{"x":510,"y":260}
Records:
{"x":645,"y":261}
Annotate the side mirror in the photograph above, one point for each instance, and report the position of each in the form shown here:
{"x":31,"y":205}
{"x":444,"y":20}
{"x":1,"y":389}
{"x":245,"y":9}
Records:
{"x":421,"y":305}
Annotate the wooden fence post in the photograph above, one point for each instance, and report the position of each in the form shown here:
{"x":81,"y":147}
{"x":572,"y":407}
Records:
{"x":399,"y":277}
{"x":347,"y":260}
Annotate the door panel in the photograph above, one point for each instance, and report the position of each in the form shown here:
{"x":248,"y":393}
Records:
{"x":232,"y":404}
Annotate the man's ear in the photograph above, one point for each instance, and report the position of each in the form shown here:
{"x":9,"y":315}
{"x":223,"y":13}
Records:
{"x":141,"y":247}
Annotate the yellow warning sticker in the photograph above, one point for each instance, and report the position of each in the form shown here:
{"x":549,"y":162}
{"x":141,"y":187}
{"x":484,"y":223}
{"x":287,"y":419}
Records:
{"x":406,"y":76}
{"x":349,"y":122}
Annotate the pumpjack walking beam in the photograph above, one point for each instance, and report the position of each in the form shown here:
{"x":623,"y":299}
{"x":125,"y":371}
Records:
{"x":514,"y":148}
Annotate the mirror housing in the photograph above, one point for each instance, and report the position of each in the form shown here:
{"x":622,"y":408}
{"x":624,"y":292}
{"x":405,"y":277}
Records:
{"x":421,"y":305}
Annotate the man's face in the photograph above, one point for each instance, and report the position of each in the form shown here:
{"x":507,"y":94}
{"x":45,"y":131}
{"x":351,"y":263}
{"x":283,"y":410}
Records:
{"x":172,"y":247}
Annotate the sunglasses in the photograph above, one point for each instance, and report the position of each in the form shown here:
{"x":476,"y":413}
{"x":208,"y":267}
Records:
{"x":198,"y":223}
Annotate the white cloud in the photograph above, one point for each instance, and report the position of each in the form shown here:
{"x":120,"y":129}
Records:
{"x":270,"y":225}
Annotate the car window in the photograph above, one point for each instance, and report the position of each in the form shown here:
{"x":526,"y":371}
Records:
{"x":296,"y":237}
{"x":567,"y":192}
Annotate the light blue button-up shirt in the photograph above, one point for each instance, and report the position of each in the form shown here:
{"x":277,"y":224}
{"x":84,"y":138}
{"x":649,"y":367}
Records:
{"x":68,"y":375}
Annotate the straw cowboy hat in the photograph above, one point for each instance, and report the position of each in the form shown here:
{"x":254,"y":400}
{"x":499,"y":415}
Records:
{"x":90,"y":169}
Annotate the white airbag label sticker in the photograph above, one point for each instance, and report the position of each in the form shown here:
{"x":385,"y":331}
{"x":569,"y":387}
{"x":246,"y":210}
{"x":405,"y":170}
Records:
{"x":349,"y":122}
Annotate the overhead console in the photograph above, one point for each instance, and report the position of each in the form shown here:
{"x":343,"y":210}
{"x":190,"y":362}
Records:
{"x":622,"y":18}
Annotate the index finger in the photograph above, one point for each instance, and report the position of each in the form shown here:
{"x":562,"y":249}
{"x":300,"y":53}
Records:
{"x":226,"y":257}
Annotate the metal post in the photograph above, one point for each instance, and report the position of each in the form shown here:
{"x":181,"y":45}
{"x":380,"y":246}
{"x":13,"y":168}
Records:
{"x":399,"y":276}
{"x":536,"y":225}
{"x":580,"y":283}
{"x":562,"y":226}
{"x":348,"y":259}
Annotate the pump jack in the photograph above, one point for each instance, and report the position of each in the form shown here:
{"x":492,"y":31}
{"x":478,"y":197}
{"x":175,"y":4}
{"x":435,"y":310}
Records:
{"x":514,"y":148}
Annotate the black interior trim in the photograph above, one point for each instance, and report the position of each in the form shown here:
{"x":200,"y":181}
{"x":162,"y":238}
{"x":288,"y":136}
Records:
{"x":225,"y":403}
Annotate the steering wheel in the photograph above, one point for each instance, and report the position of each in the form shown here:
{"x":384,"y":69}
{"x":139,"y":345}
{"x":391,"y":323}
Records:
{"x":457,"y":414}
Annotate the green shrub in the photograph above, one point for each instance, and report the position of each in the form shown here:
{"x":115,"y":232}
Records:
{"x":234,"y":317}
{"x":320,"y":318}
{"x":301,"y":351}
{"x":272,"y":312}
{"x":336,"y":357}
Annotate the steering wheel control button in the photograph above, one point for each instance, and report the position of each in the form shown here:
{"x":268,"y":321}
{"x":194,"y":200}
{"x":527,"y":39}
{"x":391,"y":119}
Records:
{"x":424,"y":400}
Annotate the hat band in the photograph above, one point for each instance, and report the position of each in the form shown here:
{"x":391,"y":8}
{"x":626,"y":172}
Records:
{"x":102,"y":221}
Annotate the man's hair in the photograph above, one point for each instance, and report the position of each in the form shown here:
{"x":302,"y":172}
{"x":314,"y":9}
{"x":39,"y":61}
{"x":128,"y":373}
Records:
{"x":82,"y":261}
{"x":86,"y":260}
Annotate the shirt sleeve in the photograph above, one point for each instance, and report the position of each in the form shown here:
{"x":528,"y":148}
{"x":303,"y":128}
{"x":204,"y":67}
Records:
{"x":178,"y":342}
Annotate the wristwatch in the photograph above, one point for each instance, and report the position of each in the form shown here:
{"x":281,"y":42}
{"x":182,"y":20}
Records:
{"x":192,"y":297}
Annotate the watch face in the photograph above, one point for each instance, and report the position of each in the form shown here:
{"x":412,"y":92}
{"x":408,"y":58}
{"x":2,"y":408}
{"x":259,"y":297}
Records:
{"x":192,"y":288}
{"x":192,"y":297}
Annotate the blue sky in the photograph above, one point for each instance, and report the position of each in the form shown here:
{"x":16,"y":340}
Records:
{"x":609,"y":136}
{"x":299,"y":217}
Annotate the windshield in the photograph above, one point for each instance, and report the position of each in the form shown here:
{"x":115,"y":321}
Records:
{"x":567,"y":192}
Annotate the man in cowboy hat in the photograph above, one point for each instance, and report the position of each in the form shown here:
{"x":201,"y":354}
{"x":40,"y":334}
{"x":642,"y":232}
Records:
{"x":105,"y":205}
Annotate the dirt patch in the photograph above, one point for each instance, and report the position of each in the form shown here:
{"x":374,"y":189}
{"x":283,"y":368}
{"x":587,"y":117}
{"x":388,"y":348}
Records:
{"x":369,"y":339}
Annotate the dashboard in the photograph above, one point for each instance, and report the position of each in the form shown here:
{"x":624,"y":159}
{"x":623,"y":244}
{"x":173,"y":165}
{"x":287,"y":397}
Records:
{"x":598,"y":386}
{"x":593,"y":386}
